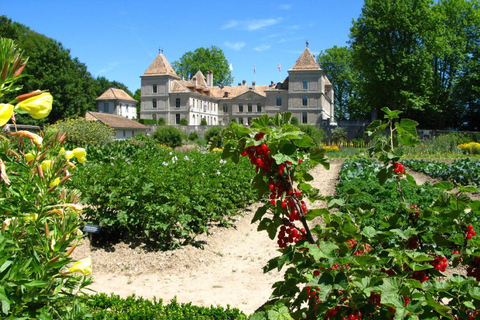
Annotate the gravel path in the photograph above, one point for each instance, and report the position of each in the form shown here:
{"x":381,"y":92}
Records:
{"x":227,"y":271}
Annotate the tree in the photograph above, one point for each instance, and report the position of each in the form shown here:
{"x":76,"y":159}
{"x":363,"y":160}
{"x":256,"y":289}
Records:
{"x":205,"y":59}
{"x":138,"y":96}
{"x":338,"y":65}
{"x":389,"y":52}
{"x":105,"y":84}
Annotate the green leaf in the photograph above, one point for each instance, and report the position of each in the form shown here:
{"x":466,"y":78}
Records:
{"x":411,"y":179}
{"x":304,"y":142}
{"x":369,"y":232}
{"x":440,"y":308}
{"x":391,"y":114}
{"x":261,"y":315}
{"x":260,"y":213}
{"x":382,"y":176}
{"x":444,"y":185}
{"x":279,"y":312}
{"x":5,"y":301}
{"x":474,"y":292}
{"x":317,"y":156}
{"x":312,"y":214}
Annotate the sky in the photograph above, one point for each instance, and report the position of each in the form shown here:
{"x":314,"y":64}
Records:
{"x":119,"y":39}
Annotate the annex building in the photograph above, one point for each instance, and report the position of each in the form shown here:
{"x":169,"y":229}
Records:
{"x":306,"y":92}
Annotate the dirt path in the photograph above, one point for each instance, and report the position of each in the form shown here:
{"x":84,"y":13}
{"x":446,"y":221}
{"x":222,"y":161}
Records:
{"x":228,"y":271}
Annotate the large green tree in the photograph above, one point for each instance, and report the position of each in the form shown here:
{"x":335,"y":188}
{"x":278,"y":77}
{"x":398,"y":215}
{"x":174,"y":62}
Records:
{"x":337,"y":64}
{"x":205,"y":59}
{"x":389,"y":52}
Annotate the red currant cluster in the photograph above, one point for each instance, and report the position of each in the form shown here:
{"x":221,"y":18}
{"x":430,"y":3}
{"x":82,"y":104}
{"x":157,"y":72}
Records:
{"x":412,"y":243}
{"x":440,"y":263}
{"x":398,"y":168}
{"x":312,"y":294}
{"x":420,"y":276}
{"x":375,"y":298}
{"x":473,"y":270}
{"x":331,"y":313}
{"x":259,"y":157}
{"x":356,"y":315}
{"x":457,"y":252}
{"x":414,"y":210}
{"x":289,"y":234}
{"x":351,"y":243}
{"x":470,"y":232}
{"x":359,"y":252}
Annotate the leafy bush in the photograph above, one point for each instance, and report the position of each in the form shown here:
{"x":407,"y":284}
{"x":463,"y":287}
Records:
{"x":203,"y":122}
{"x":339,"y":134}
{"x":317,"y":134}
{"x":193,"y":136}
{"x":104,"y":307}
{"x":170,"y":136}
{"x":161,"y":121}
{"x":147,"y":121}
{"x":184,"y":122}
{"x":470,"y":147}
{"x":233,"y":120}
{"x":81,"y":132}
{"x":294,"y":121}
{"x":212,"y":133}
{"x":158,"y":195}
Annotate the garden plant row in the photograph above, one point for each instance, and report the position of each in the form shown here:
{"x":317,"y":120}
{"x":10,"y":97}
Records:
{"x":159,"y":195}
{"x":462,"y":171}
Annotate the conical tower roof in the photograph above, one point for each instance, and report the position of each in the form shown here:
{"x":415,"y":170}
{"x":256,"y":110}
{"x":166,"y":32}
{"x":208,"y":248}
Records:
{"x":160,"y":67}
{"x":306,"y":62}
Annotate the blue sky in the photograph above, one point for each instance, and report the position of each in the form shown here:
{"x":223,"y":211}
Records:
{"x":119,"y":39}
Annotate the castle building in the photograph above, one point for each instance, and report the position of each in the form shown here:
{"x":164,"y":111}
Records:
{"x":306,"y":92}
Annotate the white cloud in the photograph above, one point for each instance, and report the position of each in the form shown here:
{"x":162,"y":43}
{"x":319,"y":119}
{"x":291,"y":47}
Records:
{"x":282,"y":40}
{"x":285,"y":6}
{"x":251,"y":25}
{"x":235,"y":45}
{"x":110,"y":67}
{"x":263,"y":47}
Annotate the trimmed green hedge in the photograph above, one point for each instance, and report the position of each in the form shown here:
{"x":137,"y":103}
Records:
{"x":104,"y":307}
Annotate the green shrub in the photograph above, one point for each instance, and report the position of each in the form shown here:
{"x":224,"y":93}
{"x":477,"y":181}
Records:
{"x":294,"y":121}
{"x":184,"y":122}
{"x":339,"y":134}
{"x":169,"y":136}
{"x":193,"y":136}
{"x":212,"y":133}
{"x":148,"y":121}
{"x":104,"y":307}
{"x":81,"y":132}
{"x":234,"y":120}
{"x":161,"y":121}
{"x":317,"y":134}
{"x":203,"y":122}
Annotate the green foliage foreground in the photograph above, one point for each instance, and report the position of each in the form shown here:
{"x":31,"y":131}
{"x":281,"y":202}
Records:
{"x":363,"y":261}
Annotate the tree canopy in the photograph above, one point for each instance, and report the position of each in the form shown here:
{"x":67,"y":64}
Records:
{"x":205,"y":59}
{"x":421,"y":57}
{"x":51,"y":67}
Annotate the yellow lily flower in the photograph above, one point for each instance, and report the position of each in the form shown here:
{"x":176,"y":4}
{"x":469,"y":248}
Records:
{"x":29,"y":157}
{"x":83,"y":266}
{"x":46,"y":165}
{"x":80,"y":154}
{"x":76,"y":207}
{"x":6,"y":112}
{"x":38,"y":106}
{"x":34,"y":137}
{"x":32,"y":216}
{"x":3,"y":173}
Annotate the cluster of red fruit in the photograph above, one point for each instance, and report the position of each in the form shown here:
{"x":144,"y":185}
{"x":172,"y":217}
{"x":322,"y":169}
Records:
{"x":289,"y":234}
{"x":470,"y":316}
{"x":259,"y":155}
{"x":412,"y":243}
{"x":440,"y":263}
{"x":366,"y":248}
{"x":415,"y":211}
{"x":473,"y":270}
{"x":420,"y":276}
{"x":312,"y":294}
{"x":357,"y":315}
{"x":351,"y":243}
{"x":398,"y":168}
{"x":470,"y":232}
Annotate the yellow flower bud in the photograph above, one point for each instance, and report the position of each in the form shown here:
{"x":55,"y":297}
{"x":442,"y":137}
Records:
{"x":54,"y":182}
{"x":29,"y":157}
{"x":84,"y":266}
{"x":32,"y":216}
{"x":38,"y":106}
{"x":6,"y":112}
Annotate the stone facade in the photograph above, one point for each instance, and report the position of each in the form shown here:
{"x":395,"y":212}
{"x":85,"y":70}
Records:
{"x":306,"y":92}
{"x":117,"y":102}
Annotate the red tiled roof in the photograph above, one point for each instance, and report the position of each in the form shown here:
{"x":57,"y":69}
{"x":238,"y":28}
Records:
{"x":306,"y":62}
{"x":160,"y":66}
{"x":115,"y":94}
{"x":114,"y":121}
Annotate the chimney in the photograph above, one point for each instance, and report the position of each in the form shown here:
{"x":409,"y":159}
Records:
{"x":244,"y":82}
{"x":253,"y":85}
{"x":209,"y":78}
{"x":225,"y":94}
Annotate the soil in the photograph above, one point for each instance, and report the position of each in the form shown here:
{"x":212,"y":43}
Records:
{"x":228,"y":270}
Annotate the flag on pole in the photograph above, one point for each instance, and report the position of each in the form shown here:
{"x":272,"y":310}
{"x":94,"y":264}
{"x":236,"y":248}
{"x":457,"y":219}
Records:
{"x":279,"y":68}
{"x":254,"y":69}
{"x":231,"y":67}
